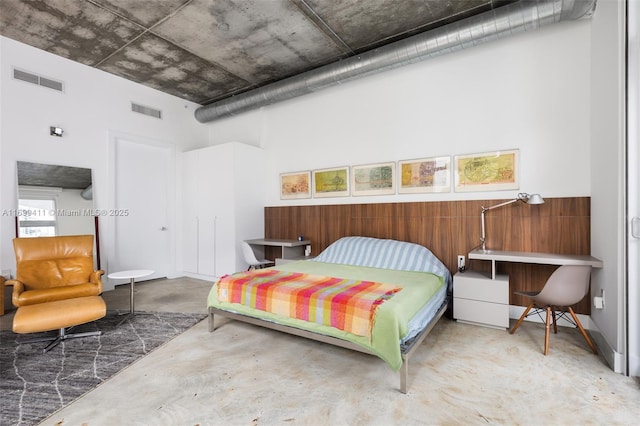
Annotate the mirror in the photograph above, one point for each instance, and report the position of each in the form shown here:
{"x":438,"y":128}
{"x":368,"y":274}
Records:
{"x":55,"y":200}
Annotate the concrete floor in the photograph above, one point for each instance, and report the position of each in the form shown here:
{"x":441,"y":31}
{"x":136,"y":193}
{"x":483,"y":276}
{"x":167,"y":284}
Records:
{"x":178,"y":295}
{"x":246,"y":375}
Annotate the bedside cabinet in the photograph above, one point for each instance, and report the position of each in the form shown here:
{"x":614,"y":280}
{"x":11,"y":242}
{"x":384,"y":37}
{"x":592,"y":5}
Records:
{"x":479,"y":300}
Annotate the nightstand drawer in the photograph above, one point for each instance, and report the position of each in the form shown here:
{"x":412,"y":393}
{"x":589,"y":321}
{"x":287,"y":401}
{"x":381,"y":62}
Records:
{"x":485,"y":313}
{"x":474,"y":285}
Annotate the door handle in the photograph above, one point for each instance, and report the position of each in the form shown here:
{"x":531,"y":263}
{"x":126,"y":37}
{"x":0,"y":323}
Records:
{"x":635,"y":227}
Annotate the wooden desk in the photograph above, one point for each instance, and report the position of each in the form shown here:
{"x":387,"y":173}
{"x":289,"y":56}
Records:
{"x":290,"y":249}
{"x":532,"y":257}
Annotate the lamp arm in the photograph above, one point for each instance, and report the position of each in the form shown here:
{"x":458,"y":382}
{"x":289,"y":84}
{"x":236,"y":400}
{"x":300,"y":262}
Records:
{"x":486,"y":209}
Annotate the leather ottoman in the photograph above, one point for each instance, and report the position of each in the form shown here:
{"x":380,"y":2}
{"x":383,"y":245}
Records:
{"x":59,"y":314}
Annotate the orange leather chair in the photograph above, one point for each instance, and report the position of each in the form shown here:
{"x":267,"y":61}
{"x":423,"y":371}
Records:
{"x":56,"y":286}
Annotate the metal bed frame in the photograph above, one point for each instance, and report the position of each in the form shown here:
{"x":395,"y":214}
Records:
{"x":406,"y":350}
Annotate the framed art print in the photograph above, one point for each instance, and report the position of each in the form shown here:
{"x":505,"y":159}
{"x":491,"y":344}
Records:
{"x":424,"y":175}
{"x":295,"y":185}
{"x":490,"y":171}
{"x":373,"y":179}
{"x":331,"y":182}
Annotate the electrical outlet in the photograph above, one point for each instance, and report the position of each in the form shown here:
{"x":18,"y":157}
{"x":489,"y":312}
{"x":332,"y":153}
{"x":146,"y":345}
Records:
{"x":461,"y":263}
{"x":598,"y":301}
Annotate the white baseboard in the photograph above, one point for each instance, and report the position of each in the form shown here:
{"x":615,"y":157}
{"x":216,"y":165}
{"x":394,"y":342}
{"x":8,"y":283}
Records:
{"x":199,"y":276}
{"x":175,"y":274}
{"x":634,"y":366}
{"x":609,"y":354}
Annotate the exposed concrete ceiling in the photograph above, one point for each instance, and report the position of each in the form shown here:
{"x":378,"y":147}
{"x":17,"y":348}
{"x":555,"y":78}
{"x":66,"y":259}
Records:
{"x":35,"y":174}
{"x":209,"y":50}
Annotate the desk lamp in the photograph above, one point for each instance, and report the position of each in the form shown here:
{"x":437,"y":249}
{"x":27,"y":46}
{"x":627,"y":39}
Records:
{"x":523,"y":196}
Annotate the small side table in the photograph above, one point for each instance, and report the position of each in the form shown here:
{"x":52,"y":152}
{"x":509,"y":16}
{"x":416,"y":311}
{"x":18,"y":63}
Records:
{"x":130,"y":275}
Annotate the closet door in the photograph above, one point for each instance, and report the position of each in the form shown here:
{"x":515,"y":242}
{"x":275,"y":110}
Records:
{"x":223,"y":188}
{"x":207,"y":218}
{"x":190,"y":212}
{"x":223,"y":204}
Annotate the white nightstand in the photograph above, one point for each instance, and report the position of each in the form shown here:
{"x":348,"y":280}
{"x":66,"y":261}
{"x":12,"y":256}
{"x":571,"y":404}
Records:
{"x":479,"y":300}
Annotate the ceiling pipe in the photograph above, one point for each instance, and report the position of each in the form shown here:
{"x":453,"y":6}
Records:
{"x":513,"y":18}
{"x":87,"y":193}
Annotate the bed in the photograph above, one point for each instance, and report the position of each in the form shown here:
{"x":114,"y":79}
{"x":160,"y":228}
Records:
{"x":395,"y":293}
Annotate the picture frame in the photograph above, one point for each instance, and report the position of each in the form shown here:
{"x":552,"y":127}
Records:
{"x":424,"y":175}
{"x":373,"y":179}
{"x":333,"y":182}
{"x":488,"y":171}
{"x":295,"y":185}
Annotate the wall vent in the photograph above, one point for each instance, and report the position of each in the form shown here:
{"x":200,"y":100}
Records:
{"x":32,"y":78}
{"x":151,"y":112}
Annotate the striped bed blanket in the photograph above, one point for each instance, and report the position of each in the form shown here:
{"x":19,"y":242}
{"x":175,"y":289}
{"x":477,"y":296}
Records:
{"x":346,"y":304}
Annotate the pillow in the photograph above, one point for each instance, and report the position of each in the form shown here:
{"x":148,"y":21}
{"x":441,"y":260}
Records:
{"x":382,"y":253}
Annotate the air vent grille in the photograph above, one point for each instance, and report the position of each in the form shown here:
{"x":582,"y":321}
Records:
{"x":51,"y":84}
{"x":151,"y":112}
{"x":32,"y":78}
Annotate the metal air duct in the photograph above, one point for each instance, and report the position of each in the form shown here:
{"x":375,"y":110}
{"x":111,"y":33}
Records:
{"x":514,"y":18}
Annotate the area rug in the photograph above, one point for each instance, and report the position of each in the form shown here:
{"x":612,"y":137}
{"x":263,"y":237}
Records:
{"x":34,"y":384}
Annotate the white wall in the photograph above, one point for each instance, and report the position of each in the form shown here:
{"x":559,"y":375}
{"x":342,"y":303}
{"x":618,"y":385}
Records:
{"x":94,"y":104}
{"x":530,"y":92}
{"x":69,"y":202}
{"x":607,"y":180}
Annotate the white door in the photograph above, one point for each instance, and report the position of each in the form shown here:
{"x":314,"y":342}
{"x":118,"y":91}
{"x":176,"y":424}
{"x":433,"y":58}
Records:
{"x":142,"y":236}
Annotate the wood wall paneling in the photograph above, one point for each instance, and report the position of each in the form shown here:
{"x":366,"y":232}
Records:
{"x":450,"y":228}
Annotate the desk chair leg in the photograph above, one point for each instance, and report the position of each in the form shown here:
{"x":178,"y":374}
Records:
{"x":555,"y":323}
{"x":524,"y":315}
{"x":584,"y":333}
{"x":546,"y":330}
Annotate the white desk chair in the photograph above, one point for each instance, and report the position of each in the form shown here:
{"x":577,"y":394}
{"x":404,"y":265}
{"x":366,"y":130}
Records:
{"x":250,"y":258}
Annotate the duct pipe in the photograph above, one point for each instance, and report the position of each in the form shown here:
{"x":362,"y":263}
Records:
{"x":87,"y":193}
{"x":514,"y":18}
